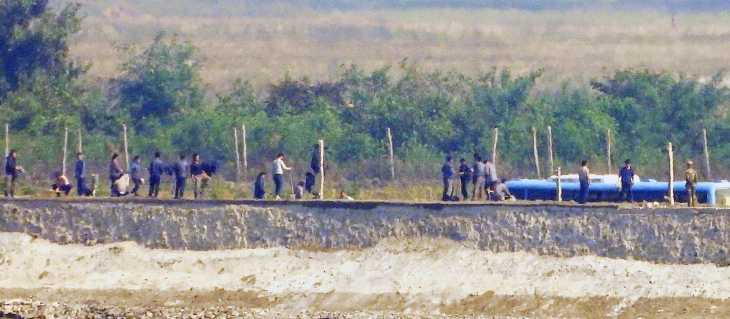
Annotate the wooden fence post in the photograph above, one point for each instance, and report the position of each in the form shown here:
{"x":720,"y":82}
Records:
{"x":7,"y":140}
{"x":126,"y":146}
{"x":494,"y":146}
{"x":707,"y":155}
{"x":245,"y":148}
{"x":550,"y":149}
{"x":670,"y":150}
{"x":65,"y":151}
{"x":238,"y":155}
{"x":608,"y":151}
{"x":534,"y":149}
{"x":321,"y":170}
{"x":81,"y":143}
{"x":390,"y":151}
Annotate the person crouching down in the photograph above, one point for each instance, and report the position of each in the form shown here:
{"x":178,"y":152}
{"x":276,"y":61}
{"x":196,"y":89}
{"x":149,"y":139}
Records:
{"x":259,"y":188}
{"x":61,"y":185}
{"x":500,"y":191}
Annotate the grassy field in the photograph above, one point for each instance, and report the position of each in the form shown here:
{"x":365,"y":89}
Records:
{"x":570,"y":45}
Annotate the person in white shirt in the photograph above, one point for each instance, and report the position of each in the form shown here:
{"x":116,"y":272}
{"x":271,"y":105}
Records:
{"x":61,"y":185}
{"x":278,"y":171}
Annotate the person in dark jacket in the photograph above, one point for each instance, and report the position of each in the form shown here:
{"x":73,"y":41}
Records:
{"x":465,"y":173}
{"x":448,"y":178}
{"x":259,"y":189}
{"x":114,"y":174}
{"x":12,"y":171}
{"x":180,"y":170}
{"x":80,"y":175}
{"x":157,"y":169}
{"x":309,"y":181}
{"x":135,"y":172}
{"x":199,"y":176}
{"x":316,"y":159}
{"x":626,"y":175}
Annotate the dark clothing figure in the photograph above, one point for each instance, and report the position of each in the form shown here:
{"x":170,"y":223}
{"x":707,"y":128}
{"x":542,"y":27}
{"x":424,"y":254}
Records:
{"x":11,"y":166}
{"x":316,"y":161}
{"x":196,"y":168}
{"x":278,"y":184}
{"x":114,"y":174}
{"x":61,"y":185}
{"x":135,"y":172}
{"x":465,"y":174}
{"x":309,"y":181}
{"x":11,"y":175}
{"x":259,"y":189}
{"x":626,"y":175}
{"x":180,"y":170}
{"x":62,"y":189}
{"x":157,"y":169}
{"x":690,"y":176}
{"x":585,"y":183}
{"x":448,"y":179}
{"x":80,"y":175}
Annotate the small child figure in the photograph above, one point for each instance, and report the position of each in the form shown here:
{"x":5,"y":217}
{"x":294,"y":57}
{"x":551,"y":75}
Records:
{"x":299,"y":190}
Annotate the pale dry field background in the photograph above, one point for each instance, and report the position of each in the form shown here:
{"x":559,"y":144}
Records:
{"x":579,"y":44}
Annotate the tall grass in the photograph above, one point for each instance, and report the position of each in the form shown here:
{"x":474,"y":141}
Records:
{"x":570,"y":44}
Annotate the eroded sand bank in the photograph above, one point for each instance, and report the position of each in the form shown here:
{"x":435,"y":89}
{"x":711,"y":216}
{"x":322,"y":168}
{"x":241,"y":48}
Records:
{"x":418,"y":277}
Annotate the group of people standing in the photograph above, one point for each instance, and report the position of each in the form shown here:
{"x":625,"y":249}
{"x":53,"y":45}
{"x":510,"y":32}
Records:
{"x":119,"y":179}
{"x":278,"y":169}
{"x":482,"y":176}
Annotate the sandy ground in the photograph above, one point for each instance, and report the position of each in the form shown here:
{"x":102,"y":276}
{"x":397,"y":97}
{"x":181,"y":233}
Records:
{"x":398,"y":279}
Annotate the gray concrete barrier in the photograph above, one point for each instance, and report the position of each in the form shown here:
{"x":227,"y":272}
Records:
{"x":677,"y":236}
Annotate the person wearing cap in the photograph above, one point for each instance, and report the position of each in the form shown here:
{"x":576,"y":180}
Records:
{"x":448,"y":174}
{"x":690,"y":176}
{"x":626,"y":176}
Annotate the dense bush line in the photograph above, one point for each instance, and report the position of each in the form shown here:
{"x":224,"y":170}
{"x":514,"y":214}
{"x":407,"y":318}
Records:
{"x":160,"y":96}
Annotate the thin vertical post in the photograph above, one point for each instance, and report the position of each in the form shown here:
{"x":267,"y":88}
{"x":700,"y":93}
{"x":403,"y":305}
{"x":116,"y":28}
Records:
{"x":494,"y":146}
{"x":245,"y":148}
{"x":670,"y":150}
{"x":707,"y":155}
{"x":550,"y":149}
{"x":321,"y":171}
{"x":608,"y":150}
{"x":390,"y":151}
{"x":7,"y":140}
{"x":65,"y":151}
{"x":81,"y":143}
{"x":126,"y":146}
{"x":534,"y":149}
{"x":560,"y":185}
{"x":238,"y":155}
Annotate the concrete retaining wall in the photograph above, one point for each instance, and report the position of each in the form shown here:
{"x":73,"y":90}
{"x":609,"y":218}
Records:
{"x":680,"y":236}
